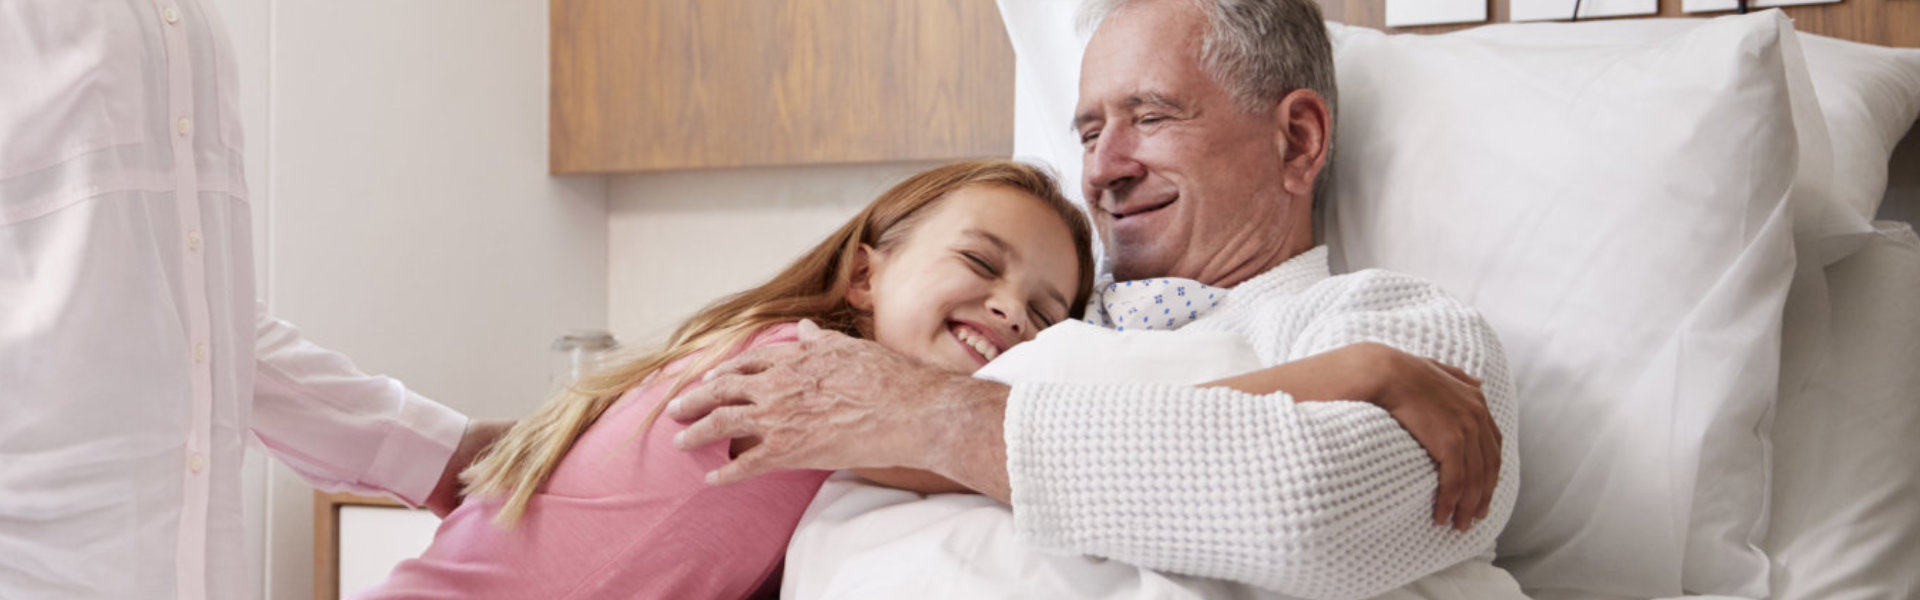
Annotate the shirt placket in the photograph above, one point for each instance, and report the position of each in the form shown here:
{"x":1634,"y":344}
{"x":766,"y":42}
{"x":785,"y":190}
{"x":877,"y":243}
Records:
{"x":191,"y":551}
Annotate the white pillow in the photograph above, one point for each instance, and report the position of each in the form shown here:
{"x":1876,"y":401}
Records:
{"x":1868,"y":96}
{"x":1620,"y":214}
{"x":1846,"y":523}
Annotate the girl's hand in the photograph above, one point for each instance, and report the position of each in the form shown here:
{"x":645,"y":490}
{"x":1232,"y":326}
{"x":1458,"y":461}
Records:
{"x":1442,"y":406}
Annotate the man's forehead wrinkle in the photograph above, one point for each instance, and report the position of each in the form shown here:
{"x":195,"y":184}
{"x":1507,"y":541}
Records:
{"x":1152,"y":98}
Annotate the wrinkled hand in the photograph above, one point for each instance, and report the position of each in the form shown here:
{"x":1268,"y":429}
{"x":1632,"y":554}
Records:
{"x":1446,"y":411}
{"x":828,"y":401}
{"x":447,"y":493}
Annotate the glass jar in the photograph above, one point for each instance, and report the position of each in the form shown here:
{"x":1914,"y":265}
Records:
{"x":578,"y":353}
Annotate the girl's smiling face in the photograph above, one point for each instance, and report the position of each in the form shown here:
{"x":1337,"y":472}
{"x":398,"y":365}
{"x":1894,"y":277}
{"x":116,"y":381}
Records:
{"x":986,"y":268}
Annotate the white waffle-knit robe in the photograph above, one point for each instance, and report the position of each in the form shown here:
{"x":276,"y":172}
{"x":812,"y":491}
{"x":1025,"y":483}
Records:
{"x":1308,"y":499}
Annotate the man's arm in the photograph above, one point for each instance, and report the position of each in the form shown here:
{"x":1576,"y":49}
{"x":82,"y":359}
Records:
{"x":1441,"y":406}
{"x":1434,"y":401}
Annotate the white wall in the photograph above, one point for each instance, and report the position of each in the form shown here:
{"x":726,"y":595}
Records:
{"x":680,"y":240}
{"x":397,"y":159}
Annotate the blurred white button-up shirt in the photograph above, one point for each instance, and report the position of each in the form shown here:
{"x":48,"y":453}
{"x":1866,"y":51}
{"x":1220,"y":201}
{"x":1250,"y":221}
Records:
{"x":135,"y":362}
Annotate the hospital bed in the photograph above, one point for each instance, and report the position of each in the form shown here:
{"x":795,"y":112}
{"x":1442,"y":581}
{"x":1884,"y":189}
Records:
{"x":1673,"y":224}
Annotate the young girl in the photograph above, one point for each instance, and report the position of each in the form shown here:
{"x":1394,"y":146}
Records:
{"x":588,"y":498}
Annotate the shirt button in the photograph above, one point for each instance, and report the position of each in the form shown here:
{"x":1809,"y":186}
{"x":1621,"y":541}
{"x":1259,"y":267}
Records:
{"x":184,"y":126}
{"x":171,"y":14}
{"x":193,"y":240}
{"x":197,"y":463}
{"x":200,"y":352}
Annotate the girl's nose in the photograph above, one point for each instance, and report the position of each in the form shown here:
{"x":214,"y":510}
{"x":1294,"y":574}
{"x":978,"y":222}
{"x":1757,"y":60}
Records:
{"x":1011,"y":322}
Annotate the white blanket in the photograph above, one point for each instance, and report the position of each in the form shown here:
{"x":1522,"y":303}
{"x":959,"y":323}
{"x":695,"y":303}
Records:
{"x":859,"y":540}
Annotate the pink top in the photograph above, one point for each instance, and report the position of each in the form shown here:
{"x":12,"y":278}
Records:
{"x":623,"y":516}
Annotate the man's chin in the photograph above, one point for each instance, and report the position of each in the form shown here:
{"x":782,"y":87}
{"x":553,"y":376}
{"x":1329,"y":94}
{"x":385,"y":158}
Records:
{"x":1134,"y":266}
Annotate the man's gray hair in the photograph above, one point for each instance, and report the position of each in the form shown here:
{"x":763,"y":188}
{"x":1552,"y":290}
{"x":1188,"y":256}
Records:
{"x":1259,"y":50}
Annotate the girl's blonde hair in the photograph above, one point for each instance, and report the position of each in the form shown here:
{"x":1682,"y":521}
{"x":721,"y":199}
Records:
{"x":813,"y":287}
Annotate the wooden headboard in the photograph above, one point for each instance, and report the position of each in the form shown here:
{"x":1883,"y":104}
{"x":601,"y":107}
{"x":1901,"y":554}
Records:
{"x":1883,"y":22}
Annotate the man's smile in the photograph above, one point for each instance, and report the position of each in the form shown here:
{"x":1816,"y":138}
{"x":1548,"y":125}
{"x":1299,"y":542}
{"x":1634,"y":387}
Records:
{"x":1132,"y":209}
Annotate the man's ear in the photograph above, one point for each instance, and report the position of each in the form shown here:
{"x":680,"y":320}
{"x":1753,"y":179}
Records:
{"x":860,"y":282}
{"x":1305,"y":136}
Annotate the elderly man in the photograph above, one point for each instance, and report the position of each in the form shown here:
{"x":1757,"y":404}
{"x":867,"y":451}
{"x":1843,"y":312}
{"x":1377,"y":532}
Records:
{"x":1206,"y":127}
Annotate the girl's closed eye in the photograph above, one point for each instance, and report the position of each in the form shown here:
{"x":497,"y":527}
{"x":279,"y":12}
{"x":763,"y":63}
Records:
{"x":1040,"y":317}
{"x":981,"y":263}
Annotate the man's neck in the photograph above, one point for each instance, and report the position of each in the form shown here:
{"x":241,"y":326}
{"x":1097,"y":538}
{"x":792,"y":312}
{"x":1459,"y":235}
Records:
{"x":1230,"y":269}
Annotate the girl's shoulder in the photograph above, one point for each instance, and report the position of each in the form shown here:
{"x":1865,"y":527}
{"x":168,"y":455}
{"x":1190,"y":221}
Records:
{"x":613,"y":434}
{"x":773,"y":335}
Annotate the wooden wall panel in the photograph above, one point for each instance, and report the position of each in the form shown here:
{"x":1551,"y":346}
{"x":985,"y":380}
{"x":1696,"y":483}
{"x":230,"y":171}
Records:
{"x":643,"y":85}
{"x":1883,"y":22}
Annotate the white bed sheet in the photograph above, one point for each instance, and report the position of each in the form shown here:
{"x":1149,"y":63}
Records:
{"x":862,"y":541}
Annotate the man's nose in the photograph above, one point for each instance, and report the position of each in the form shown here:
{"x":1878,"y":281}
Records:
{"x":1111,"y":164}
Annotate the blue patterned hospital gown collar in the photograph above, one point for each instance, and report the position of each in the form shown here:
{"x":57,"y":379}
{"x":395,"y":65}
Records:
{"x":1169,"y":303}
{"x":1161,"y":304}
